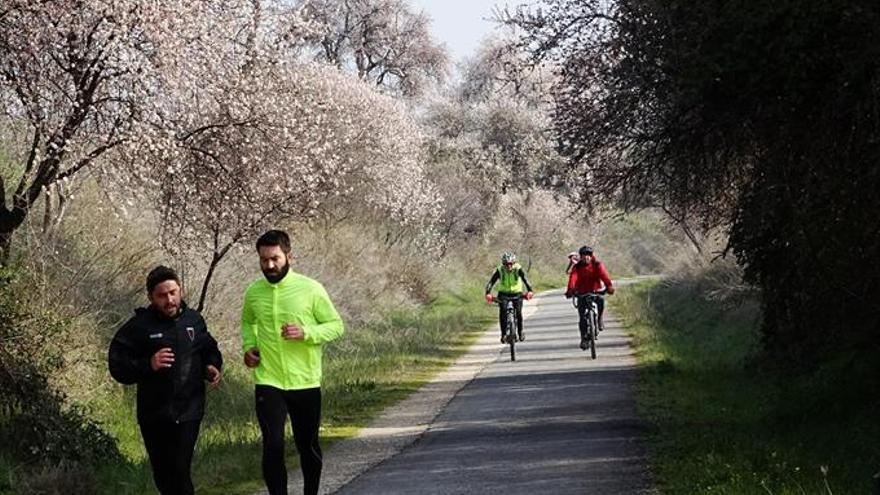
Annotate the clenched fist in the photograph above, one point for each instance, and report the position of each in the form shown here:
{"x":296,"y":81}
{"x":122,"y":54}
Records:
{"x":163,"y":358}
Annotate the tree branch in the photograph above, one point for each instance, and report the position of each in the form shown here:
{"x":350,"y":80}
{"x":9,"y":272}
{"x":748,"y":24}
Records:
{"x":85,"y":161}
{"x":29,"y":164}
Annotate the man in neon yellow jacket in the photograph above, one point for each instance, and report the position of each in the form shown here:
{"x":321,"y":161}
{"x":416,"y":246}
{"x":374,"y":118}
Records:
{"x":285,"y":320}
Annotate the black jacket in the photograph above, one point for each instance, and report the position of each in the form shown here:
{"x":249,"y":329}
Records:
{"x":173,"y":394}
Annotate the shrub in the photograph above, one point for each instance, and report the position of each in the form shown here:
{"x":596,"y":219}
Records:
{"x":35,"y":424}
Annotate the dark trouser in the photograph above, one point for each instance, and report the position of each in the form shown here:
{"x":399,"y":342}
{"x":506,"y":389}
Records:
{"x":304,"y":408}
{"x":502,"y":314}
{"x":170,"y":447}
{"x":582,"y":306}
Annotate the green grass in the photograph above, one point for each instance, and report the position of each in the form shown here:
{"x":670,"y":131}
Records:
{"x":726,"y":421}
{"x":370,"y":368}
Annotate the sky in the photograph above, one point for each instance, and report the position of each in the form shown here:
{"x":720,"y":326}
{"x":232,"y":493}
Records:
{"x":461,"y":24}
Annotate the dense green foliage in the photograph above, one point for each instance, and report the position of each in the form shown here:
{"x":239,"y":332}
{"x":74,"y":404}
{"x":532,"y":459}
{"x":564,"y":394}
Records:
{"x":37,"y":427}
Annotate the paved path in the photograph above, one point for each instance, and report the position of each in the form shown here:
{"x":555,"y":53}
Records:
{"x":553,"y":422}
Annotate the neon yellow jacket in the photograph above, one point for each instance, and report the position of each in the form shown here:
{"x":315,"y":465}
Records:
{"x":511,"y":281}
{"x":287,"y":364}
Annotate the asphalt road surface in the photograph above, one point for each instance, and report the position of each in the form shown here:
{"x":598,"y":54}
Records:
{"x":552,"y":422}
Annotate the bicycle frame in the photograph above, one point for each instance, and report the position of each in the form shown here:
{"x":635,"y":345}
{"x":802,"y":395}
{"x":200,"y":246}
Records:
{"x":510,"y":321}
{"x":590,"y":316}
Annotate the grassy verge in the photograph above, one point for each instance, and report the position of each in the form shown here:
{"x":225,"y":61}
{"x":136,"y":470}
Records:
{"x":372,"y":367}
{"x":723,"y":424}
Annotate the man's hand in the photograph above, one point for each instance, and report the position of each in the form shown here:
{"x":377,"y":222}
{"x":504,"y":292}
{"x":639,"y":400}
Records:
{"x":529,"y":295}
{"x":610,"y":290}
{"x":163,"y":358}
{"x":290,"y":331}
{"x":213,"y":375}
{"x":489,"y":298}
{"x":252,"y":357}
{"x":568,"y":295}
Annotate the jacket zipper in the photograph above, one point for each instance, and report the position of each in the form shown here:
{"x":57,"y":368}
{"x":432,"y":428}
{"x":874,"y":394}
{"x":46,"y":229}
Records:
{"x":175,"y":372}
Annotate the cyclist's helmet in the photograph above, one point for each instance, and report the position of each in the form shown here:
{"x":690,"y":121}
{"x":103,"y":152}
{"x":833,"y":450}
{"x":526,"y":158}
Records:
{"x":585,"y":251}
{"x":508,"y":258}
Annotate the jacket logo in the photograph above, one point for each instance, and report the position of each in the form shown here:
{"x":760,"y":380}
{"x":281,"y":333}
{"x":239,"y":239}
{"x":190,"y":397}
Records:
{"x":155,"y":335}
{"x":191,"y":332}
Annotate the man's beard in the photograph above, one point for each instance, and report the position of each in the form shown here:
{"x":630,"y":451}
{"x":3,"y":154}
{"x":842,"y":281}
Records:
{"x":169,"y":310}
{"x":277,"y":276}
{"x":172,"y":309}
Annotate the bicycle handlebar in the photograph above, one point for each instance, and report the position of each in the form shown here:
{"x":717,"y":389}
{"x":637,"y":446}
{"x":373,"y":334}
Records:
{"x":497,"y":300}
{"x":600,"y":292}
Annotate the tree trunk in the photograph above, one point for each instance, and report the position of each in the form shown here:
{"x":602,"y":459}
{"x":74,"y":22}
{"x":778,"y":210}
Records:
{"x":10,"y":221}
{"x":5,"y":244}
{"x":681,"y":221}
{"x":47,"y":210}
{"x":62,"y":207}
{"x":215,"y":260}
{"x":692,"y":237}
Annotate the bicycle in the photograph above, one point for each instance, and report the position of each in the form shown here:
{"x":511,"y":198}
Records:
{"x":511,"y":327}
{"x":589,"y":317}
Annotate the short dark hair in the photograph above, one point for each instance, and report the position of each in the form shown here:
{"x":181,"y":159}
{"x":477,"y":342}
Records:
{"x":585,"y":251}
{"x":160,"y":274}
{"x":275,"y":238}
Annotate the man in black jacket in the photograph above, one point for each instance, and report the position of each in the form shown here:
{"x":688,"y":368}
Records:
{"x":167,"y":351}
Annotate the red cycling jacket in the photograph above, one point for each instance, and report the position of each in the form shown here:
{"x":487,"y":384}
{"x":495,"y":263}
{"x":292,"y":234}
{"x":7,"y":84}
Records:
{"x":587,"y":277}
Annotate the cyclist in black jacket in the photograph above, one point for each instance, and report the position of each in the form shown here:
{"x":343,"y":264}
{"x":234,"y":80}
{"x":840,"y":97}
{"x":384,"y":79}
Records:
{"x":167,"y":351}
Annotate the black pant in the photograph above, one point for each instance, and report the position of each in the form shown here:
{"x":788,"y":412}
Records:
{"x":582,"y":307}
{"x":170,"y":447}
{"x":304,"y":408}
{"x":502,"y":312}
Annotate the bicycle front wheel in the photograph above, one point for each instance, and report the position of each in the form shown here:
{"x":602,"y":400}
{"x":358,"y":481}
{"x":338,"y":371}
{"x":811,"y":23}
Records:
{"x":595,"y":319}
{"x":511,"y":334}
{"x":591,"y":334}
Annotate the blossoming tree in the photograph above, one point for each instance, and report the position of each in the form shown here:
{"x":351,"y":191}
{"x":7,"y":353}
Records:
{"x":249,"y":137}
{"x":75,"y":80}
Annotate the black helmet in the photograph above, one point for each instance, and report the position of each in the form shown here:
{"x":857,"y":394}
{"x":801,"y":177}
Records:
{"x":585,"y":251}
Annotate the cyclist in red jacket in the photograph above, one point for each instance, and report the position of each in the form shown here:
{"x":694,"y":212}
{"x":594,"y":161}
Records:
{"x":589,"y":275}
